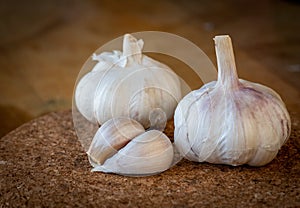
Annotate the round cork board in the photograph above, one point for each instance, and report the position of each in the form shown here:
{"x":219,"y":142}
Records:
{"x":42,"y":164}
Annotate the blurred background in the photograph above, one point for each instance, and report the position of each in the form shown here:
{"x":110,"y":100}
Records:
{"x":43,"y":44}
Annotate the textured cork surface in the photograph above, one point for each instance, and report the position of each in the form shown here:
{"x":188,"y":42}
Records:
{"x":43,"y":164}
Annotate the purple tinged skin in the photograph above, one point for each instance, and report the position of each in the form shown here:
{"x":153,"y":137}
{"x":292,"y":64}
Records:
{"x":231,"y":121}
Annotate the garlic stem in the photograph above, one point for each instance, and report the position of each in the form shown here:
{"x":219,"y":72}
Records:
{"x":132,"y":49}
{"x":227,"y":74}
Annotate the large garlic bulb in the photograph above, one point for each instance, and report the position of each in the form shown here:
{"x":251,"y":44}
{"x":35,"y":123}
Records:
{"x":122,"y":146}
{"x":231,"y":121}
{"x":127,"y":84}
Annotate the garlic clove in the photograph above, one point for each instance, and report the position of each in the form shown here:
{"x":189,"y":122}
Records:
{"x":183,"y":115}
{"x":158,"y":119}
{"x":84,"y":94}
{"x":85,"y":89}
{"x":231,"y":121}
{"x":147,"y":154}
{"x":111,"y":137}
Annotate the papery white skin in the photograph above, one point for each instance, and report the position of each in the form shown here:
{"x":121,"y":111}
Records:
{"x":231,"y":121}
{"x":86,"y":88}
{"x":112,"y":136}
{"x":127,"y":84}
{"x":122,"y":146}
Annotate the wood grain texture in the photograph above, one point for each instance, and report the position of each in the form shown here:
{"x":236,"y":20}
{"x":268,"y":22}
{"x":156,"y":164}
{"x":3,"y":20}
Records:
{"x":43,"y":44}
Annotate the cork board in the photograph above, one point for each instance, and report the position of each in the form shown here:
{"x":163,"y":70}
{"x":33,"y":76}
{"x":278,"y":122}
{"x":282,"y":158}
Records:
{"x":42,"y":164}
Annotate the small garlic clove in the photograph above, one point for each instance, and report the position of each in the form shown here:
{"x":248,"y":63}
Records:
{"x":112,"y":136}
{"x":86,"y":87}
{"x":183,"y":115}
{"x":147,"y":154}
{"x":85,"y":92}
{"x":158,"y":119}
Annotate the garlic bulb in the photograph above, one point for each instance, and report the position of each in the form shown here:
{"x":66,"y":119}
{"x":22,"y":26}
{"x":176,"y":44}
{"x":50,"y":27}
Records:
{"x":231,"y":121}
{"x":127,"y":84}
{"x":122,"y":146}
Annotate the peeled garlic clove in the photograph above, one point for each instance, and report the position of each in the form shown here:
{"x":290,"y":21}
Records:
{"x":112,"y":136}
{"x":231,"y":121}
{"x":122,"y":146}
{"x":147,"y":154}
{"x":127,"y":84}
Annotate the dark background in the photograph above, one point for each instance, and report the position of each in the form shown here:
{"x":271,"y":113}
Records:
{"x":43,"y":44}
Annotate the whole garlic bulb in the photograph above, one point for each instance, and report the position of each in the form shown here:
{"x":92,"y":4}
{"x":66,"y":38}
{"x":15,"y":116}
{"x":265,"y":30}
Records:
{"x":231,"y":121}
{"x":127,"y":84}
{"x":122,"y":146}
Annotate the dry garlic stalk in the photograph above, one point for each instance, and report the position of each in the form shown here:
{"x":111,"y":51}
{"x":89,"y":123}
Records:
{"x":231,"y":121}
{"x":127,"y":84}
{"x":122,"y":146}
